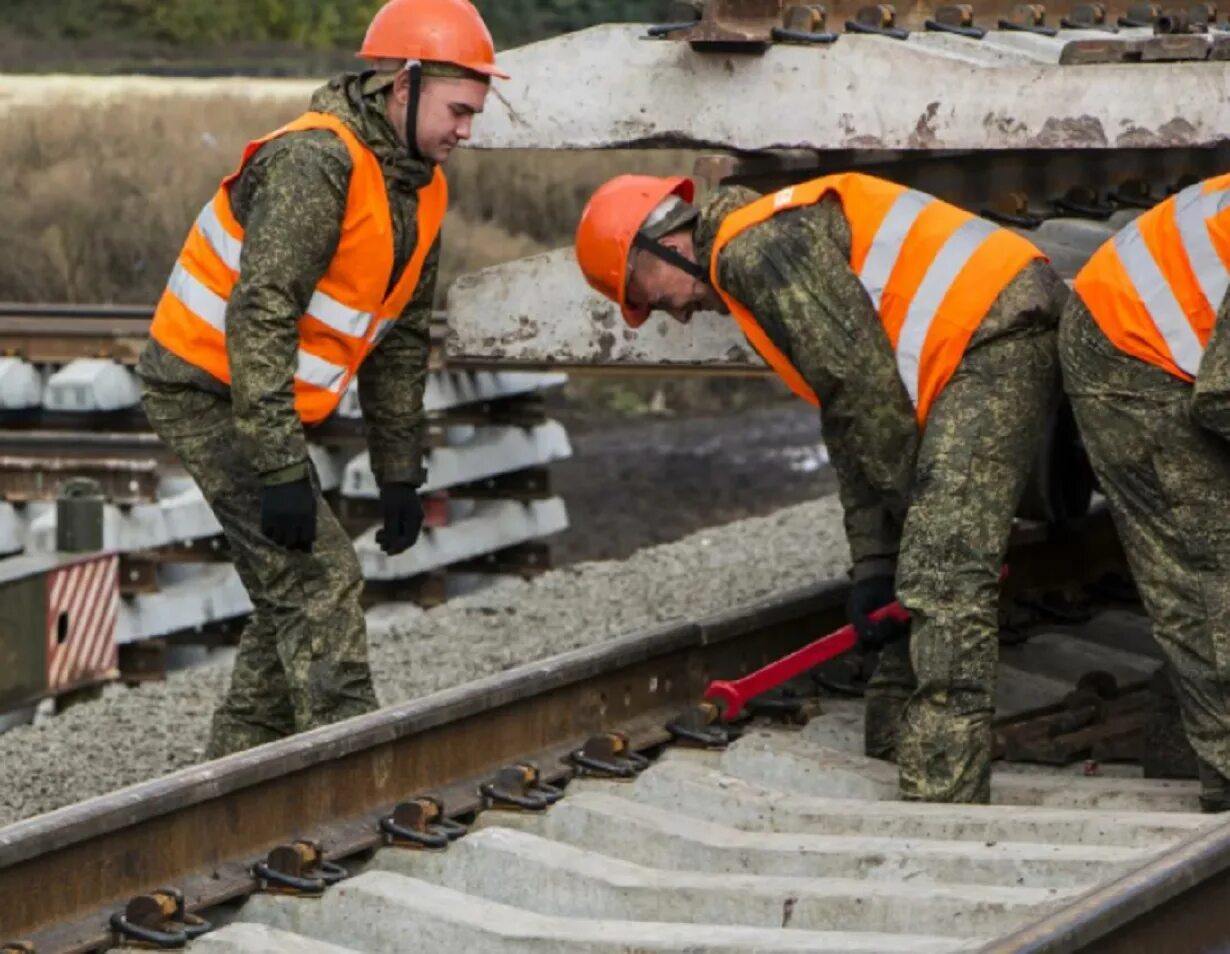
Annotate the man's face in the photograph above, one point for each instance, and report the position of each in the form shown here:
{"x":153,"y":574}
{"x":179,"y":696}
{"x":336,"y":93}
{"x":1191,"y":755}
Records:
{"x":447,"y":107}
{"x":655,"y":285}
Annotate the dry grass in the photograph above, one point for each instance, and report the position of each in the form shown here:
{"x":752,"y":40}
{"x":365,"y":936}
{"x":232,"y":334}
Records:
{"x":96,"y":201}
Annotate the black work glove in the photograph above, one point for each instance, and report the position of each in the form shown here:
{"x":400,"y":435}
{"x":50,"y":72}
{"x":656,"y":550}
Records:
{"x":867,"y":596}
{"x":288,"y":514}
{"x":403,"y":517}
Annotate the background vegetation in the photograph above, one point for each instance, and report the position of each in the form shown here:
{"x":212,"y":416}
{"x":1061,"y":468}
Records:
{"x":179,"y":29}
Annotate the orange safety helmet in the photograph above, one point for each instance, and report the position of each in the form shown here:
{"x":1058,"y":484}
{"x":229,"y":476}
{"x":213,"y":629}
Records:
{"x":441,"y":31}
{"x":608,"y":230}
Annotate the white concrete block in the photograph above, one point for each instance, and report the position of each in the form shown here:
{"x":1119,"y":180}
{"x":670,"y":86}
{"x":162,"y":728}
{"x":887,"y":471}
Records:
{"x":450,"y":389}
{"x":21,"y":386}
{"x":212,"y":595}
{"x":559,"y":879}
{"x":495,"y":524}
{"x":12,"y":530}
{"x":796,"y":764}
{"x":662,"y":838}
{"x":1006,"y":92}
{"x":258,"y":939}
{"x":186,"y":516}
{"x":330,"y":465}
{"x":498,"y":314}
{"x":751,"y":805}
{"x":489,"y":451}
{"x":379,"y":911}
{"x":92,"y":384}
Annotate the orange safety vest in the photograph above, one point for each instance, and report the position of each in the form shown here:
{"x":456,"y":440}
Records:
{"x":932,"y":271}
{"x":1156,"y":287}
{"x":351,"y":308}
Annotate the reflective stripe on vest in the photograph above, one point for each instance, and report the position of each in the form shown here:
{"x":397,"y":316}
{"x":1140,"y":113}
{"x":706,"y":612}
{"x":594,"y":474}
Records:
{"x":1156,"y":287}
{"x":931,"y":270}
{"x":352,"y":307}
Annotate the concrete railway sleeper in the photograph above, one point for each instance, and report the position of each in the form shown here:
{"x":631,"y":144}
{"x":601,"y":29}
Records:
{"x":786,"y":839}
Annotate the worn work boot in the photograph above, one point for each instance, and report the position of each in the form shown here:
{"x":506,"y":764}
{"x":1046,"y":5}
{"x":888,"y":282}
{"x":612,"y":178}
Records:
{"x":1166,"y":753}
{"x":888,"y":691}
{"x":1214,"y":789}
{"x":944,"y":749}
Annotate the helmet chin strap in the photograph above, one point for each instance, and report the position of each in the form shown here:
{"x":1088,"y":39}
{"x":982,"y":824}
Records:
{"x":671,"y":257}
{"x":414,"y":68}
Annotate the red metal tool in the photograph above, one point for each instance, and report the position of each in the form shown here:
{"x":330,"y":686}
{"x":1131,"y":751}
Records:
{"x":733,"y":696}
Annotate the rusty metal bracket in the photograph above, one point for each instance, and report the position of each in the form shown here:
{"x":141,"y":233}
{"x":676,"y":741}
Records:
{"x":1141,"y":15}
{"x":701,"y":726}
{"x":748,"y":26}
{"x":157,"y":920}
{"x":519,"y":788}
{"x":879,"y":19}
{"x":955,"y":18}
{"x":1028,"y":18}
{"x":610,"y":756}
{"x":1098,"y":720}
{"x":1088,"y":16}
{"x":784,"y":706}
{"x":1086,"y":203}
{"x":297,"y":869}
{"x":1013,"y":209}
{"x":1136,"y":194}
{"x":420,"y":824}
{"x":1174,"y":48}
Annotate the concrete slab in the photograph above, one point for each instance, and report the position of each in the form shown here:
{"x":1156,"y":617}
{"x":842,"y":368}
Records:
{"x":21,"y":386}
{"x":498,"y":313}
{"x":1066,"y":659}
{"x":379,"y":911}
{"x":183,"y":517}
{"x":213,"y":594}
{"x":330,"y":465}
{"x":494,"y":525}
{"x":12,"y":530}
{"x":92,"y":384}
{"x":793,"y":763}
{"x":559,"y":879}
{"x":449,"y":389}
{"x":1007,"y":92}
{"x":661,"y":838}
{"x":473,"y":454}
{"x":712,"y":795}
{"x":260,"y":939}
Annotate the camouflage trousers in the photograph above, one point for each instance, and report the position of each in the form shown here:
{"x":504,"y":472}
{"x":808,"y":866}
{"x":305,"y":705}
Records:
{"x":1166,"y":481}
{"x":302,"y":659}
{"x":930,"y":702}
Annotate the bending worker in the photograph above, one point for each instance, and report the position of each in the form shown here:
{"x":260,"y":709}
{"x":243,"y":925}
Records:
{"x":1145,"y":357}
{"x":926,"y":337}
{"x":313,"y":265}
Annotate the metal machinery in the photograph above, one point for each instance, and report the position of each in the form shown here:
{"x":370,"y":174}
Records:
{"x":1062,"y":124}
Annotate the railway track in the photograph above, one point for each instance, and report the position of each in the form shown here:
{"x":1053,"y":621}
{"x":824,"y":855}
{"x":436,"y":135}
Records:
{"x":785,"y":839}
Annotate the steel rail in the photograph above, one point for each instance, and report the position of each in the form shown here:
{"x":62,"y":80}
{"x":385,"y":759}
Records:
{"x":58,"y":334}
{"x":200,"y":829}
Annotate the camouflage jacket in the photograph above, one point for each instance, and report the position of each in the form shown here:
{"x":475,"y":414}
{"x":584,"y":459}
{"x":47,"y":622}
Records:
{"x":291,"y":200}
{"x":793,"y":273}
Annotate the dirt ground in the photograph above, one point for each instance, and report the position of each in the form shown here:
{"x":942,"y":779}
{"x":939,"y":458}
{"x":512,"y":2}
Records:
{"x":649,"y":480}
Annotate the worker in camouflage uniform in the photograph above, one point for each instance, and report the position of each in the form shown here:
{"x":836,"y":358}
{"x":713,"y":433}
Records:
{"x":314,"y":265}
{"x":1145,"y":354}
{"x":927,"y":338}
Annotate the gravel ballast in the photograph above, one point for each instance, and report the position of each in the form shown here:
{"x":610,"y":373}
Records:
{"x":132,"y":735}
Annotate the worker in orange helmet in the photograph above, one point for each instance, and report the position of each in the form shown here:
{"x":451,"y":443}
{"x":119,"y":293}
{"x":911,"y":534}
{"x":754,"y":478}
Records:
{"x":314,"y":266}
{"x":926,"y":336}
